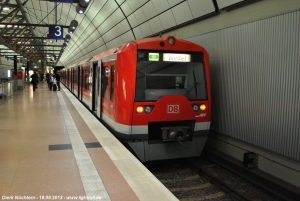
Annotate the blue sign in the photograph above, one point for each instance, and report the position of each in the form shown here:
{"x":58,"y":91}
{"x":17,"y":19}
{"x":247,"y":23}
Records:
{"x":63,"y":1}
{"x":56,"y":32}
{"x":53,"y":58}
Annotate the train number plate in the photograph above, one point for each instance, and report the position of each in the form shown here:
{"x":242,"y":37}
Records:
{"x":173,"y":109}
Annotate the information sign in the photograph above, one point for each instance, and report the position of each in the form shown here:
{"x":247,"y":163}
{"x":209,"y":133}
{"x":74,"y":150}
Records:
{"x":153,"y":56}
{"x":56,"y":32}
{"x":53,"y":58}
{"x":63,"y":1}
{"x":177,"y":57}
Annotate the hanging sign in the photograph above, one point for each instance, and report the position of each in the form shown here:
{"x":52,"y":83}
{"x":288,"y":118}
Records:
{"x":56,"y":32}
{"x":63,"y":1}
{"x":53,"y":58}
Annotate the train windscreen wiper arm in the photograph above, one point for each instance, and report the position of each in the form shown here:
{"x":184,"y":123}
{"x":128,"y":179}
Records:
{"x":194,"y":86}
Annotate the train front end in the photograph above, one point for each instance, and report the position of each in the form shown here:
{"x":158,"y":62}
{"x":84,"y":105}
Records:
{"x":172,"y":110}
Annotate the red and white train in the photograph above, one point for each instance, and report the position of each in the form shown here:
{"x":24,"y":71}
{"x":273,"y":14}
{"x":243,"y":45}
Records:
{"x":153,"y":94}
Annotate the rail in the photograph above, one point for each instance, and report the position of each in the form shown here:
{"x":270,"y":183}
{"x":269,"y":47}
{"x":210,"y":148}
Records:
{"x":6,"y":89}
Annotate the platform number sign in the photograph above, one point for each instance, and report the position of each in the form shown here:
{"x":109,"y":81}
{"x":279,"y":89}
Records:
{"x":56,"y":32}
{"x":53,"y":58}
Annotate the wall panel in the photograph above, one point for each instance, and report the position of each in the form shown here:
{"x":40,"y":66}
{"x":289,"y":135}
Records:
{"x":255,"y":70}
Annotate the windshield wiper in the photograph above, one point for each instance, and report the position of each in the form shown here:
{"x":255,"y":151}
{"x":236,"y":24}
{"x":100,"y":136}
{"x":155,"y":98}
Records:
{"x":194,"y":86}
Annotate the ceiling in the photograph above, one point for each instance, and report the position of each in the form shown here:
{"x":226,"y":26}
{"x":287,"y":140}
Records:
{"x":24,"y":25}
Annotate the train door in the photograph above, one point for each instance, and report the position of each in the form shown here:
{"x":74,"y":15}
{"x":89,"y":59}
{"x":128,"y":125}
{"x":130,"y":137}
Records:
{"x":72,"y":79}
{"x":81,"y":85}
{"x":87,"y":85}
{"x":107,"y":89}
{"x":94,"y":85}
{"x":98,"y":90}
{"x":75,"y":86}
{"x":68,"y":83}
{"x":78,"y":82}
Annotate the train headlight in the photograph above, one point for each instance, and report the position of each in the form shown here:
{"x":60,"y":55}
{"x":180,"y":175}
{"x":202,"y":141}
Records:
{"x":140,"y":109}
{"x":148,"y":109}
{"x":202,"y":107}
{"x":144,"y":109}
{"x":171,"y":41}
{"x":198,"y":108}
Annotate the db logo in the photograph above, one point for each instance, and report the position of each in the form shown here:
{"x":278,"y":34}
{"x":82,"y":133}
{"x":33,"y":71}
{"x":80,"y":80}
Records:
{"x":173,"y":109}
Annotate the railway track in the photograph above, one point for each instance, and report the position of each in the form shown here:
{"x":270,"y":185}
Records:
{"x":201,"y":179}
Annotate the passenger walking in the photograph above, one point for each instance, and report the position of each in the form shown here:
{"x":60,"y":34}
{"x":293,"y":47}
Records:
{"x":51,"y":80}
{"x":48,"y":80}
{"x":34,"y":80}
{"x":42,"y":77}
{"x":58,"y":80}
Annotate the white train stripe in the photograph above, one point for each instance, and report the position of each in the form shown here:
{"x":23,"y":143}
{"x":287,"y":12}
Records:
{"x":125,"y":129}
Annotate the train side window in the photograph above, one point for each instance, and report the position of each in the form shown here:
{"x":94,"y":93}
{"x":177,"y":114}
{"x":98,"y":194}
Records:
{"x":104,"y":75}
{"x":112,"y":78}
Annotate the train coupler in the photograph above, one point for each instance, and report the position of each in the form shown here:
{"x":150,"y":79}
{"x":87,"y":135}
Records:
{"x":179,"y":133}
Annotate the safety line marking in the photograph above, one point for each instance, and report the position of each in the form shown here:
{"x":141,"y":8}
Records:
{"x":92,"y":183}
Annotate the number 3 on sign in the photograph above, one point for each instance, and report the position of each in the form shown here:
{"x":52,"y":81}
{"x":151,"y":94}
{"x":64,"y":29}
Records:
{"x":56,"y":32}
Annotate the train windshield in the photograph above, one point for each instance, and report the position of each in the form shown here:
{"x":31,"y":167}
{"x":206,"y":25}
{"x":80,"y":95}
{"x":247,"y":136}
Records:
{"x":170,"y":74}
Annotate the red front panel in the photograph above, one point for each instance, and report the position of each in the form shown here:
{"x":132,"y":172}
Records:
{"x":123,"y":109}
{"x":171,"y":108}
{"x":125,"y":75}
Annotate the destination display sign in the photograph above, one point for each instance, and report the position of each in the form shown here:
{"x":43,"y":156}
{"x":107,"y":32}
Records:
{"x":177,"y":57}
{"x":153,"y":56}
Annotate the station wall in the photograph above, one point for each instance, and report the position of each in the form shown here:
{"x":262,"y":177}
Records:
{"x":255,"y":69}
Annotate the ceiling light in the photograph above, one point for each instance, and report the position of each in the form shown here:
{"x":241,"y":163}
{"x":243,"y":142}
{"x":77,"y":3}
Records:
{"x":64,"y":45}
{"x":67,"y":38}
{"x":82,"y":5}
{"x":73,"y":26}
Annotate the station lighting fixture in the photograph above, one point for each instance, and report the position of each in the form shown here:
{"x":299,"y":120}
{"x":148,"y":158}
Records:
{"x":73,"y":26}
{"x":67,"y":38}
{"x":64,"y":46}
{"x":82,"y":5}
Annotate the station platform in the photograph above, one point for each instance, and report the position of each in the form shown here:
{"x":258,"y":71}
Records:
{"x":53,"y":148}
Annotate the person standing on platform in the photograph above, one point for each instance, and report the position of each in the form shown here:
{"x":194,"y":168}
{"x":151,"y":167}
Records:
{"x":42,"y":77}
{"x":58,"y":80}
{"x":48,"y":80}
{"x":34,"y":80}
{"x":51,"y":80}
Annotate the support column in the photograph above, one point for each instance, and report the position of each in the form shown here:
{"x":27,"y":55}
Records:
{"x":28,"y":68}
{"x":15,"y":74}
{"x":43,"y":68}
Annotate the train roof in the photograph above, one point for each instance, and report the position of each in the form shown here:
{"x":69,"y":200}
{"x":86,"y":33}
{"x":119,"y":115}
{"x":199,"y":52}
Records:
{"x":145,"y":43}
